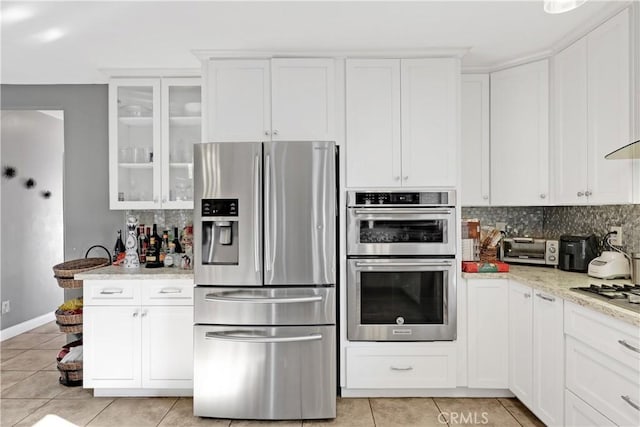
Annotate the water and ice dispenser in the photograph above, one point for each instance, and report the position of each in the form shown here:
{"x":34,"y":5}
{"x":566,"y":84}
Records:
{"x":219,"y":231}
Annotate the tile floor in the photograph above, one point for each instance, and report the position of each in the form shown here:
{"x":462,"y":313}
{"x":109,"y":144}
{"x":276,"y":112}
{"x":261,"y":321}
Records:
{"x":30,"y":390}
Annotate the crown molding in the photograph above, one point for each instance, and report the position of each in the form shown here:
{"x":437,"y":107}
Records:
{"x":151,"y":72}
{"x":206,"y":54}
{"x":611,"y":10}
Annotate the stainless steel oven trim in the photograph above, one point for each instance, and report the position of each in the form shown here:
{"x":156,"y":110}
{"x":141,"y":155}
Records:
{"x":355,"y":215}
{"x":358,"y":332}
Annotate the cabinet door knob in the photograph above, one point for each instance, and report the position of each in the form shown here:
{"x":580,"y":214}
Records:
{"x":588,"y":193}
{"x":135,"y":314}
{"x":543,"y":196}
{"x":397,"y":178}
{"x":266,"y":133}
{"x":275,"y":132}
{"x":164,"y":200}
{"x":485,"y":197}
{"x":580,"y":194}
{"x":406,"y":177}
{"x":144,"y":313}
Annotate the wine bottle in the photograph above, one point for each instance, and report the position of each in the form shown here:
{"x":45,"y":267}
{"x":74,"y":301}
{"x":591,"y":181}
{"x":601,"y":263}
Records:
{"x":157,"y":238}
{"x":176,"y":241}
{"x":142,"y":244}
{"x":118,"y":247}
{"x":164,"y":246}
{"x":152,"y":254}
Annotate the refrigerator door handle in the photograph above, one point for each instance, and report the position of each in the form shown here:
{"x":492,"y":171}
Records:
{"x":256,"y":216}
{"x":222,"y":336}
{"x":267,"y":214}
{"x":290,"y":300}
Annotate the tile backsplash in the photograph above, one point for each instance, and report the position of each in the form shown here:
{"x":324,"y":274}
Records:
{"x":553,"y":221}
{"x":165,"y":219}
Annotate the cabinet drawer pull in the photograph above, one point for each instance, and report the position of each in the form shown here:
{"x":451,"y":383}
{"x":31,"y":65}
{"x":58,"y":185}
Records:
{"x":527,"y":295}
{"x":170,"y":291}
{"x":546,"y":298}
{"x":110,"y":291}
{"x":629,"y":346}
{"x":401,"y":368}
{"x":630,"y":402}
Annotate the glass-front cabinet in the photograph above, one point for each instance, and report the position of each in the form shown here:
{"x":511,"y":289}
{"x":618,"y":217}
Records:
{"x":153,"y":124}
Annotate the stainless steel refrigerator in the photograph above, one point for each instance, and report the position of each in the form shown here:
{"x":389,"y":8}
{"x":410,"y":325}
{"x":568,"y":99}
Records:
{"x":265,"y":274}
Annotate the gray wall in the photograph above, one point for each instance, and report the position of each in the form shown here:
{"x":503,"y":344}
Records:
{"x":87,"y":218}
{"x":32,"y":225}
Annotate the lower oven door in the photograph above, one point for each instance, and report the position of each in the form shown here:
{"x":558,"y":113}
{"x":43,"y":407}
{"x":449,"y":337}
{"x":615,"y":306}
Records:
{"x":394,"y":299}
{"x":286,"y":372}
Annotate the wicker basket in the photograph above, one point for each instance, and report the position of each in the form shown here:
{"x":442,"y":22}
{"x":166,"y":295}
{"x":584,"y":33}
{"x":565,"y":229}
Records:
{"x":68,"y":319}
{"x":70,"y":373}
{"x":67,"y":269}
{"x":70,"y":329}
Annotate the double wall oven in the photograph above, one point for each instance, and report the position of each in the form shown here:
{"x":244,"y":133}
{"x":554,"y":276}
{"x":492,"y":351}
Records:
{"x":401,"y":265}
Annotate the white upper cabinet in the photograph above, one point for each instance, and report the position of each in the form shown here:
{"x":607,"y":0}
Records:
{"x":373,"y":123}
{"x":278,"y":99}
{"x":429,"y":113}
{"x":592,"y":117}
{"x":520,"y":135}
{"x":238,"y":100}
{"x":303,"y":99}
{"x":153,"y":123}
{"x":401,"y":122}
{"x":474,"y":121}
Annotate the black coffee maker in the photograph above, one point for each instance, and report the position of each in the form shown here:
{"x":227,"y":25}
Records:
{"x":576,"y":252}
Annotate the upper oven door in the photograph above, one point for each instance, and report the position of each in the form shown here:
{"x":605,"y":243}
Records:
{"x":401,"y":231}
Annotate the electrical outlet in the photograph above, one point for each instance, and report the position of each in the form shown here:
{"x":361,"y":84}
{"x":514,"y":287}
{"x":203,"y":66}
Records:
{"x":6,"y":306}
{"x":616,"y":239}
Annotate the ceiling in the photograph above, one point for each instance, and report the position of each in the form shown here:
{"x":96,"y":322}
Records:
{"x":96,"y":35}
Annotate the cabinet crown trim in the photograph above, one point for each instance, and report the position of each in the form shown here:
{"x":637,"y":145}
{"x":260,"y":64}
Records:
{"x":459,"y":52}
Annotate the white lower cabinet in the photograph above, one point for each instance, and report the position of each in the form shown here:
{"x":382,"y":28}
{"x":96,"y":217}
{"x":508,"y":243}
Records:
{"x":536,"y":357}
{"x":487,"y":311}
{"x":603,"y":364}
{"x":402,"y":366}
{"x":579,"y":414}
{"x":138,"y":339}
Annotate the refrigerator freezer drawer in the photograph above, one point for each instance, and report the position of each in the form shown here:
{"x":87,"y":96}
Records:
{"x":265,"y":306}
{"x":265,"y":372}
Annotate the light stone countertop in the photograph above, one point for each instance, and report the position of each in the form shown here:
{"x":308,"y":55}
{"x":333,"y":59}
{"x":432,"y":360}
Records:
{"x":115,"y":272}
{"x":558,"y":283}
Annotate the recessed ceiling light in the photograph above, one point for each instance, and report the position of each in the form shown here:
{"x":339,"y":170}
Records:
{"x":50,"y":35}
{"x":15,"y":14}
{"x":560,"y":6}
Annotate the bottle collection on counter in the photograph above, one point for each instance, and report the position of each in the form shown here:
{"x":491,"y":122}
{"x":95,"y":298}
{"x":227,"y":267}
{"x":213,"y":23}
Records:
{"x":154,"y":251}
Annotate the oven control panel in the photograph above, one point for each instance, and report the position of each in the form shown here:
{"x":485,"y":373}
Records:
{"x":400,"y":198}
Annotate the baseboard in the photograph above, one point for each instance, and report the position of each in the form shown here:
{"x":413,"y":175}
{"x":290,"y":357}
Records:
{"x":426,"y":392}
{"x":26,"y":326}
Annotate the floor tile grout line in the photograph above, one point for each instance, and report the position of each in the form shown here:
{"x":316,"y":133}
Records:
{"x":509,"y":411}
{"x":373,"y":417}
{"x":169,"y":410}
{"x":103,"y":409}
{"x":33,"y":411}
{"x":439,"y":411}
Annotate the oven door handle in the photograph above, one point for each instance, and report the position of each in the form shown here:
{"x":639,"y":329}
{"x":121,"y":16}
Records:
{"x":395,"y":211}
{"x":405,"y":264}
{"x":226,"y":337}
{"x":253,"y":300}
